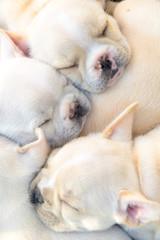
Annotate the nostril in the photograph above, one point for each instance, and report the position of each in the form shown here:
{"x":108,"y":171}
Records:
{"x":36,"y":196}
{"x":73,"y":109}
{"x":79,"y":111}
{"x":105,"y":63}
{"x":76,"y":110}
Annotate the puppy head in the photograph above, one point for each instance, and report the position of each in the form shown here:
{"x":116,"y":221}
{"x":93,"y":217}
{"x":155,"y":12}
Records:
{"x":60,"y":111}
{"x":88,"y":48}
{"x":85,"y":185}
{"x":69,"y":116}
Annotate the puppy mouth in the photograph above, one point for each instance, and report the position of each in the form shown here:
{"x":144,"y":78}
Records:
{"x":113,"y":73}
{"x":115,"y":76}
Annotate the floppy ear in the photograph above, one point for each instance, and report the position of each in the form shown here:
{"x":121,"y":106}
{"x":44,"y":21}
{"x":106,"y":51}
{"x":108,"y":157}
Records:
{"x":135,"y":210}
{"x":121,"y":128}
{"x":38,"y":150}
{"x":10,"y":45}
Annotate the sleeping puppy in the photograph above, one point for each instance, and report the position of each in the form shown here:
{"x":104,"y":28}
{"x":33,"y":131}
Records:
{"x":18,"y":219}
{"x":103,"y":179}
{"x":88,"y":48}
{"x":139,"y":23}
{"x":33,"y":94}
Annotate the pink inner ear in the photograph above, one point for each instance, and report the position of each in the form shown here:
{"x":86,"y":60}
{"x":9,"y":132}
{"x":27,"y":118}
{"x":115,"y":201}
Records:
{"x":21,"y":46}
{"x":134,"y":214}
{"x":20,"y":41}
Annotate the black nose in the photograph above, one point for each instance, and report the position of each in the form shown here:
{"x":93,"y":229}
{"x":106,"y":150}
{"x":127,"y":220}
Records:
{"x":36,"y":197}
{"x":105,"y":63}
{"x":77,"y":111}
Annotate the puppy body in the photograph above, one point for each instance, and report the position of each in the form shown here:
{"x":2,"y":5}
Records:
{"x":17,"y":167}
{"x":33,"y":94}
{"x":18,"y":219}
{"x":104,"y":179}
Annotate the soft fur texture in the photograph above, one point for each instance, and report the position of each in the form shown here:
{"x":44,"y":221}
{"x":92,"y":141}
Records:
{"x":139,"y":23}
{"x":18,"y":219}
{"x":97,"y":181}
{"x":88,"y":48}
{"x":33,"y":94}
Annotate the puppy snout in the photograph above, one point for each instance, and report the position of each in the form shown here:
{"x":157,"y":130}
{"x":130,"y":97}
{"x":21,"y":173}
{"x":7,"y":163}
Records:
{"x":105,"y":63}
{"x":76,"y":110}
{"x":108,"y":66}
{"x":36,"y":197}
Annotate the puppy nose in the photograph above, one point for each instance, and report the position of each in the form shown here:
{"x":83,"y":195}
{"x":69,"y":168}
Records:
{"x":76,"y":110}
{"x":105,"y":63}
{"x":36,"y":197}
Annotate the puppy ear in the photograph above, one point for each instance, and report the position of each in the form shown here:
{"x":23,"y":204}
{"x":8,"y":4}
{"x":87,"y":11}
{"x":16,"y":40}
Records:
{"x":20,"y":40}
{"x":121,"y":128}
{"x":135,"y":210}
{"x":40,"y":141}
{"x":11,"y":45}
{"x":37,"y":150}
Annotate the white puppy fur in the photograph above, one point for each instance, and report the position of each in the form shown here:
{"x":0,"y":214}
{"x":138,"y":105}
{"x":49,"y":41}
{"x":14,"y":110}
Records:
{"x":33,"y":94}
{"x":18,"y":219}
{"x":88,"y":48}
{"x":94,"y":182}
{"x":139,"y":23}
{"x":61,"y":33}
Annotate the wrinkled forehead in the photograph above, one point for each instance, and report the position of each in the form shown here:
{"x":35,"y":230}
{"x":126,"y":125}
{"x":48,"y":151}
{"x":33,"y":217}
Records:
{"x":87,"y":153}
{"x":74,"y":171}
{"x":93,"y":150}
{"x":82,"y":150}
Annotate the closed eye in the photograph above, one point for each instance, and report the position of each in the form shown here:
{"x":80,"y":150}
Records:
{"x":47,"y":121}
{"x":72,"y":66}
{"x":68,"y":205}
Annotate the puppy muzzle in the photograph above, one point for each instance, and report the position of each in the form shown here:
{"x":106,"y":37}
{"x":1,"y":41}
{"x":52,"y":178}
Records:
{"x":77,"y":110}
{"x":36,"y":196}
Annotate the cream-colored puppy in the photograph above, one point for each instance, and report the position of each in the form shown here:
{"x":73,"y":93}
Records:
{"x":61,"y":33}
{"x":88,"y":48}
{"x":103,"y":179}
{"x":33,"y":94}
{"x":139,"y":23}
{"x":18,"y":219}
